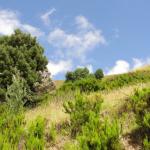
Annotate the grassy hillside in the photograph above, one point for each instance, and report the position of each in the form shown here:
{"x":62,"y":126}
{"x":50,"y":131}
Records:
{"x":115,"y":104}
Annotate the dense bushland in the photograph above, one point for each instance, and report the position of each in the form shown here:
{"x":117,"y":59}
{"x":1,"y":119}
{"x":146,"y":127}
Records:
{"x":20,"y":51}
{"x":91,"y":131}
{"x":90,"y":83}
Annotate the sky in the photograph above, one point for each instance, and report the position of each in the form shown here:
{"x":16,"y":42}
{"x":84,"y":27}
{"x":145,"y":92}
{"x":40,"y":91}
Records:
{"x":110,"y":34}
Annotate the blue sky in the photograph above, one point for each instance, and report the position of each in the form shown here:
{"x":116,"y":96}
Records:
{"x":108,"y":34}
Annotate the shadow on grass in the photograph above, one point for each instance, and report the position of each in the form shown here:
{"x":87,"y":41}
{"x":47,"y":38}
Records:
{"x":136,"y":137}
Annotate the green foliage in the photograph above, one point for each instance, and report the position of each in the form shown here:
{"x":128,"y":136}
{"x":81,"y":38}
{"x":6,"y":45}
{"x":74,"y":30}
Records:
{"x":141,"y":106}
{"x":78,"y":74}
{"x":91,"y":132}
{"x":146,"y":144}
{"x":88,"y":84}
{"x":35,"y":138}
{"x":15,"y":94}
{"x":12,"y":131}
{"x":80,"y":111}
{"x":23,"y":52}
{"x":118,"y":81}
{"x":11,"y":115}
{"x":99,"y":74}
{"x":70,"y":76}
{"x":98,"y":135}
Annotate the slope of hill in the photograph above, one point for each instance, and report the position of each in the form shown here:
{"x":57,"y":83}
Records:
{"x":115,"y":105}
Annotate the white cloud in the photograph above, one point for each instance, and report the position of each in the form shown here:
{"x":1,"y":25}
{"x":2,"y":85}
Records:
{"x":77,"y":44}
{"x":9,"y":21}
{"x":90,"y":67}
{"x":59,"y":67}
{"x":83,"y":23}
{"x":46,"y":16}
{"x":121,"y":66}
{"x":33,"y":30}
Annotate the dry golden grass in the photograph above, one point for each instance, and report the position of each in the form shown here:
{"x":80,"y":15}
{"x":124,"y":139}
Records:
{"x":114,"y":99}
{"x":144,"y":68}
{"x":58,"y":83}
{"x":52,"y":112}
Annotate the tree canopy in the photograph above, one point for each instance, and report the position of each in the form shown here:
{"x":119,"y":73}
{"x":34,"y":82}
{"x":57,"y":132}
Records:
{"x":20,"y":51}
{"x":78,"y":74}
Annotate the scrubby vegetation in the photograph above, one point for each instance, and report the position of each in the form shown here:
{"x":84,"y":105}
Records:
{"x":141,"y":107}
{"x":86,"y":112}
{"x":91,"y":131}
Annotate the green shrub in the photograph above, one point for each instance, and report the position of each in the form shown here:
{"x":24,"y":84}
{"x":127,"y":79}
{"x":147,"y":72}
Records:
{"x":141,"y":105}
{"x":146,"y":144}
{"x":70,"y":76}
{"x":79,"y":111}
{"x":99,"y":74}
{"x":78,"y":74}
{"x":98,"y":135}
{"x":35,"y":137}
{"x":88,"y":84}
{"x":15,"y":94}
{"x":91,"y":132}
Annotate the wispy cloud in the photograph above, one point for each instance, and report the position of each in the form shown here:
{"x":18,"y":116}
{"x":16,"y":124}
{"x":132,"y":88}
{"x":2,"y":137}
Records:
{"x":46,"y":16}
{"x":83,"y":23}
{"x":9,"y":21}
{"x":77,"y":45}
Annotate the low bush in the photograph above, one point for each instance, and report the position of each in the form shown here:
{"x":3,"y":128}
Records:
{"x":97,"y":135}
{"x":91,"y":132}
{"x":79,"y":111}
{"x":141,"y":106}
{"x":89,"y":84}
{"x":99,"y":74}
